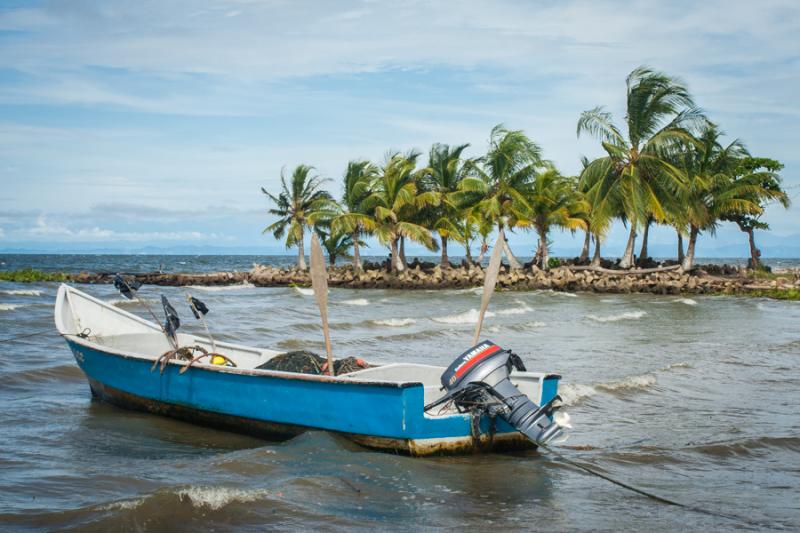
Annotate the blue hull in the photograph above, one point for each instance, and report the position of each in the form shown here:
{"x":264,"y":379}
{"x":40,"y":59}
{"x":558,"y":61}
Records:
{"x":376,"y":414}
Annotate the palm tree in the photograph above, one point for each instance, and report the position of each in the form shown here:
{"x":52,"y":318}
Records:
{"x":335,"y":244}
{"x":554,"y":202}
{"x":709,"y":190}
{"x":659,"y":108}
{"x":442,"y":178}
{"x":764,"y":172}
{"x":295,"y":203}
{"x":357,"y":179}
{"x":500,"y":181}
{"x":388,"y":210}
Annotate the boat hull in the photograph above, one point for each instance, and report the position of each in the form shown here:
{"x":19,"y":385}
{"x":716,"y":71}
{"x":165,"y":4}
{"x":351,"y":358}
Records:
{"x":380,"y":415}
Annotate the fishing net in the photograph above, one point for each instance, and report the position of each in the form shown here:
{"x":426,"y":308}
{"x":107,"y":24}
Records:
{"x":305,"y":362}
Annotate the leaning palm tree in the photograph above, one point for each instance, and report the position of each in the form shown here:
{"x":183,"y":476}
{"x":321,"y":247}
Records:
{"x":659,"y":109}
{"x":357,"y":179}
{"x":554,"y":202}
{"x":499,"y":182}
{"x":709,"y":190}
{"x":294,"y":204}
{"x":390,"y":206}
{"x":441,"y":178}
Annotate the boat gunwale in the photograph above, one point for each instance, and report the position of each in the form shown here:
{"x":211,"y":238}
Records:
{"x":252,"y":372}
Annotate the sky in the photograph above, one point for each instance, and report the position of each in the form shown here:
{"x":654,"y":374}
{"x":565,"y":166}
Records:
{"x":154,"y":124}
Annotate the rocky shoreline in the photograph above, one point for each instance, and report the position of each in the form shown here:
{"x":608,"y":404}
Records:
{"x":710,"y":279}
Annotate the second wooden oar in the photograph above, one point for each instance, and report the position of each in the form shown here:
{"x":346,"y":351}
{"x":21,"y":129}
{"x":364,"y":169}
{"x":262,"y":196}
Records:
{"x":489,"y":282}
{"x":319,"y":281}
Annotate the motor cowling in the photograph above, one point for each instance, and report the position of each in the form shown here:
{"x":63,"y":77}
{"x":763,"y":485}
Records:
{"x":481,"y":376}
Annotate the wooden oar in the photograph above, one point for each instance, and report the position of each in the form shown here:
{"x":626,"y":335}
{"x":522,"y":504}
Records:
{"x":489,"y":281}
{"x":319,"y":281}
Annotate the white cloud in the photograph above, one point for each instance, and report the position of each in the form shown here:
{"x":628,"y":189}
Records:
{"x":50,"y":231}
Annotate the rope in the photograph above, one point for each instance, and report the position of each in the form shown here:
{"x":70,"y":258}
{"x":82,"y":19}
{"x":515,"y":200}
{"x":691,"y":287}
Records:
{"x":26,"y":336}
{"x":658,"y":498}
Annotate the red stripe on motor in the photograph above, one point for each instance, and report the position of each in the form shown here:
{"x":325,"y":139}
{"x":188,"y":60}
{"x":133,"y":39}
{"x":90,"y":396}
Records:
{"x":486,"y":352}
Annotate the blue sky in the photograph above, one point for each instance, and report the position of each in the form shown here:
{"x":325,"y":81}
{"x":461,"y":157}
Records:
{"x":155,"y":123}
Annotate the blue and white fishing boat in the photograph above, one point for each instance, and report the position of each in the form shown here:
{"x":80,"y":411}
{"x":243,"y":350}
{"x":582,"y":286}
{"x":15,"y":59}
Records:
{"x":482,"y":402}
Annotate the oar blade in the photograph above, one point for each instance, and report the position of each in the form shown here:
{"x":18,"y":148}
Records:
{"x":489,"y":282}
{"x":319,"y":282}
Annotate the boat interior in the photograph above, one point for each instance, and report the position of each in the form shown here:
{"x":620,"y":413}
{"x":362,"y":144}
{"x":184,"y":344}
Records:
{"x":110,"y":328}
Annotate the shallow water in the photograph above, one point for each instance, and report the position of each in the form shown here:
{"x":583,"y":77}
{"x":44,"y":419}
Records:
{"x":694,"y":399}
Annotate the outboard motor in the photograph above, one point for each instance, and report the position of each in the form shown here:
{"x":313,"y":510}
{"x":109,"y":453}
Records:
{"x":480,"y":377}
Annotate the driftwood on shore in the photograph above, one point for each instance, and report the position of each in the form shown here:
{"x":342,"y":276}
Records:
{"x":664,"y":280}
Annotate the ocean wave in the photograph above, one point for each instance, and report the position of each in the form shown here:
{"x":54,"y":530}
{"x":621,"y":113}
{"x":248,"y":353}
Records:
{"x":687,"y":301}
{"x":521,"y":310}
{"x":574,"y":393}
{"x":630,"y":315}
{"x":124,"y":301}
{"x":394,"y":322}
{"x":748,"y":446}
{"x":305,"y":291}
{"x":219,"y":288}
{"x":10,"y":307}
{"x":527,"y":325}
{"x":675,"y":365}
{"x":467,"y":317}
{"x":43,"y":375}
{"x":628,"y":384}
{"x":21,"y":292}
{"x":356,"y":301}
{"x":215,"y":498}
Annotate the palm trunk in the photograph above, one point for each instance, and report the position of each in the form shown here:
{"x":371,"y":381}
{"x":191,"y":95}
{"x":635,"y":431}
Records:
{"x":643,"y":252}
{"x":543,"y":252}
{"x":332,"y":260}
{"x":597,"y":259}
{"x":301,"y":254}
{"x":397,"y":264}
{"x":627,"y":258}
{"x":468,"y":253}
{"x":445,"y":262}
{"x":512,"y":260}
{"x":482,"y":254}
{"x":585,"y":250}
{"x":755,"y":254}
{"x":356,"y":254}
{"x":688,"y":261}
{"x":680,"y":246}
{"x":403,"y":263}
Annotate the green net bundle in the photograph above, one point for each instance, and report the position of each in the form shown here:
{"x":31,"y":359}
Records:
{"x":305,"y":362}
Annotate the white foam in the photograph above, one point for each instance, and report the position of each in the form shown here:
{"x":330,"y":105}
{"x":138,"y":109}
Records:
{"x":9,"y":307}
{"x":356,"y":301}
{"x":534,"y":324}
{"x":122,"y":505}
{"x":573,"y":393}
{"x":687,"y":301}
{"x":467,"y":317}
{"x":216,"y":498}
{"x":521,"y":310}
{"x":629,"y":383}
{"x":305,"y":291}
{"x":218,"y":288}
{"x":630,"y":315}
{"x":22,"y":292}
{"x":562,"y":418}
{"x":395,"y":322}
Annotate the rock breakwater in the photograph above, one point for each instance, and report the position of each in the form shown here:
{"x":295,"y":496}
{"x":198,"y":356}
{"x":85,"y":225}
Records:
{"x":570,"y":279}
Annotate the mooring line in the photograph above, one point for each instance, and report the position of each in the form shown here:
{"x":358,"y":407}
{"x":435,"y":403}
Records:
{"x":25,"y":336}
{"x":658,"y":498}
